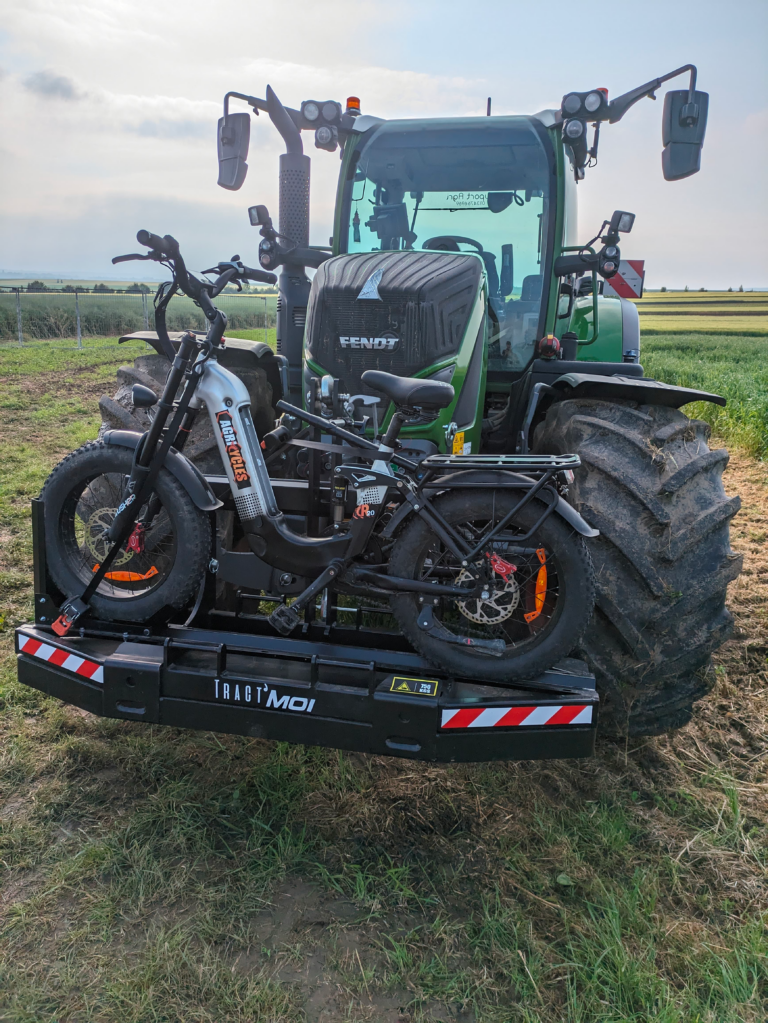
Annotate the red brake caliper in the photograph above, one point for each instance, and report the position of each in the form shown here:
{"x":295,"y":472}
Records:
{"x":501,"y":567}
{"x":136,"y":540}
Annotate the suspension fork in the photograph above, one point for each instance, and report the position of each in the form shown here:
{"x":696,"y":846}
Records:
{"x":150,"y":451}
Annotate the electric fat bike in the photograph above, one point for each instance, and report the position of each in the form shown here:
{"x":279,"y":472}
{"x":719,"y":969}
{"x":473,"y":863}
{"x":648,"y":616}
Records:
{"x":483,"y":562}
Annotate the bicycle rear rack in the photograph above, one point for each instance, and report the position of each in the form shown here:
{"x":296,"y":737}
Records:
{"x":521,"y":463}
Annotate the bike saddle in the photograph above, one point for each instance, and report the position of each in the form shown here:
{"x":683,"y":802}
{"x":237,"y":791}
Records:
{"x":409,"y":390}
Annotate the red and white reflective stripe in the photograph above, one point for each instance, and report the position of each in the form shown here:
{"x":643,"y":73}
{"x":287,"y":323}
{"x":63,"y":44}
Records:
{"x":628,"y":282}
{"x":61,"y":658}
{"x":507,"y":717}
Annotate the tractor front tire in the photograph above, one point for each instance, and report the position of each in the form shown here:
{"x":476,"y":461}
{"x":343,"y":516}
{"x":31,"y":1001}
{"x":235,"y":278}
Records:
{"x":663,"y":560}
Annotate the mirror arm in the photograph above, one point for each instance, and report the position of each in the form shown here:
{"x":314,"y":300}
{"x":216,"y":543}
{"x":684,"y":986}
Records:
{"x":618,"y":107}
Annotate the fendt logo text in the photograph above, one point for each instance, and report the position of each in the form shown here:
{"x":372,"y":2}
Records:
{"x":379,"y":344}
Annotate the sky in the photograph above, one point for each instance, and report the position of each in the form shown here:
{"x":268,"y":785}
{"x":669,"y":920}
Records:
{"x":108,"y":113}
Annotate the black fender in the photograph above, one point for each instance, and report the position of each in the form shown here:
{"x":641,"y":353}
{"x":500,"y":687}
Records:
{"x":640,"y":389}
{"x":177,"y":464}
{"x":495,"y":478}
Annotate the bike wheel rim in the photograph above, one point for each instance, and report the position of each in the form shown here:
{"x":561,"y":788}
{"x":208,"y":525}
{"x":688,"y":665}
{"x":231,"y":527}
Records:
{"x":88,"y":509}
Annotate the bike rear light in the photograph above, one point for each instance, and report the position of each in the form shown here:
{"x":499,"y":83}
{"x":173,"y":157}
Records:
{"x":353,"y":106}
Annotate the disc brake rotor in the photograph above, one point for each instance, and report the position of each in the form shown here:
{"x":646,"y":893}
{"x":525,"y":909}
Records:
{"x":494,"y":609}
{"x":95,"y":527}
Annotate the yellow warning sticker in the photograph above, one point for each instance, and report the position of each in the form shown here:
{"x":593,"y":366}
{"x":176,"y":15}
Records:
{"x":458,"y":444}
{"x":414,"y":686}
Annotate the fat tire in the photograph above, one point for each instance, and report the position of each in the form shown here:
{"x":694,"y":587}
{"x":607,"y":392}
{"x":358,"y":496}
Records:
{"x":575,"y":572}
{"x":191,"y":526}
{"x":663,"y":560}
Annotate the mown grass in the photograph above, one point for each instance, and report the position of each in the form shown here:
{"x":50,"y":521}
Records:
{"x":151,"y":874}
{"x":734,"y":367}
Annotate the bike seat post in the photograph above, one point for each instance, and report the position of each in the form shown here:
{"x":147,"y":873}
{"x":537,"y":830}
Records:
{"x":395,"y":425}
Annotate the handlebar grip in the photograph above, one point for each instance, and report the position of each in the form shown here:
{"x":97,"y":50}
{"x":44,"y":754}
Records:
{"x":152,"y":241}
{"x":259,"y":275}
{"x":167,"y":245}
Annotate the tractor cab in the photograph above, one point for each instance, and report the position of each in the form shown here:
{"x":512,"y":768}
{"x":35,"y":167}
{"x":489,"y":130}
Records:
{"x":484,"y":186}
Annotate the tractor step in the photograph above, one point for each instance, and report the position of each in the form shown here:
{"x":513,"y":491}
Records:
{"x":299,"y":690}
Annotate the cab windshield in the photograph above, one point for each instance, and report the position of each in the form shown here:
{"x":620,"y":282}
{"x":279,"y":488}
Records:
{"x":461,"y":186}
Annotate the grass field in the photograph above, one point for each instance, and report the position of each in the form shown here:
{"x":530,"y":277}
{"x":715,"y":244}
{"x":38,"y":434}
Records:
{"x":151,"y":874}
{"x":723,"y":312}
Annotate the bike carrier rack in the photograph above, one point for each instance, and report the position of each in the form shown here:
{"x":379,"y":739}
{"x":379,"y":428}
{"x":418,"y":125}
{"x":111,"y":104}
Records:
{"x":335,"y":686}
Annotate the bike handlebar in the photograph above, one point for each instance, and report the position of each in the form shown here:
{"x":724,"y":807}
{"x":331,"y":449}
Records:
{"x":167,"y":245}
{"x":263,"y":276}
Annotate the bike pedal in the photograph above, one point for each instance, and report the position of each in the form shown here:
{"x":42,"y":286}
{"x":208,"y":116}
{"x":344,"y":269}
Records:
{"x":284,"y":619}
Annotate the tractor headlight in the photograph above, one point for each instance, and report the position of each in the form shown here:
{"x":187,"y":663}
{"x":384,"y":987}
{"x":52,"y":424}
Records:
{"x":310,"y":110}
{"x":574,"y":129}
{"x":572,"y":103}
{"x":592,"y":101}
{"x":323,"y":135}
{"x":331,"y":111}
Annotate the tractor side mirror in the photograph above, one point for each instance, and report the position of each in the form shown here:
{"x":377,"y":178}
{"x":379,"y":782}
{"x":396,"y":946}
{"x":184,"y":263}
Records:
{"x":683,"y":128}
{"x":507,"y":275}
{"x":234,"y":137}
{"x":259,"y":216}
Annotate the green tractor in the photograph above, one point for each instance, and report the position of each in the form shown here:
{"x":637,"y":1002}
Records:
{"x":455,"y":257}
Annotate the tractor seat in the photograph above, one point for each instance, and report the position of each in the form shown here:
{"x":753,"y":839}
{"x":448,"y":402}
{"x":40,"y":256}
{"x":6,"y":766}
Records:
{"x":409,"y":391}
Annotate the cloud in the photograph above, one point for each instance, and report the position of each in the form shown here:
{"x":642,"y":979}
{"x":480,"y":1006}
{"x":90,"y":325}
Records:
{"x":165,"y":128}
{"x":46,"y":83}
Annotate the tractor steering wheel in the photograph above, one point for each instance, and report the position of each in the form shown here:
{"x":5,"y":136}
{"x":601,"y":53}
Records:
{"x":450,"y":243}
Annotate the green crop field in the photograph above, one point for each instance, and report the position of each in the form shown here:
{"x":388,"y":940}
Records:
{"x":713,"y":312}
{"x":153,"y":875}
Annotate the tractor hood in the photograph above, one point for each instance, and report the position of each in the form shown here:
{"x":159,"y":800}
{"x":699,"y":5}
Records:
{"x":401,"y":312}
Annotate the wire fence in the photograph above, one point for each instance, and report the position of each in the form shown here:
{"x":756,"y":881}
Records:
{"x":27,"y":317}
